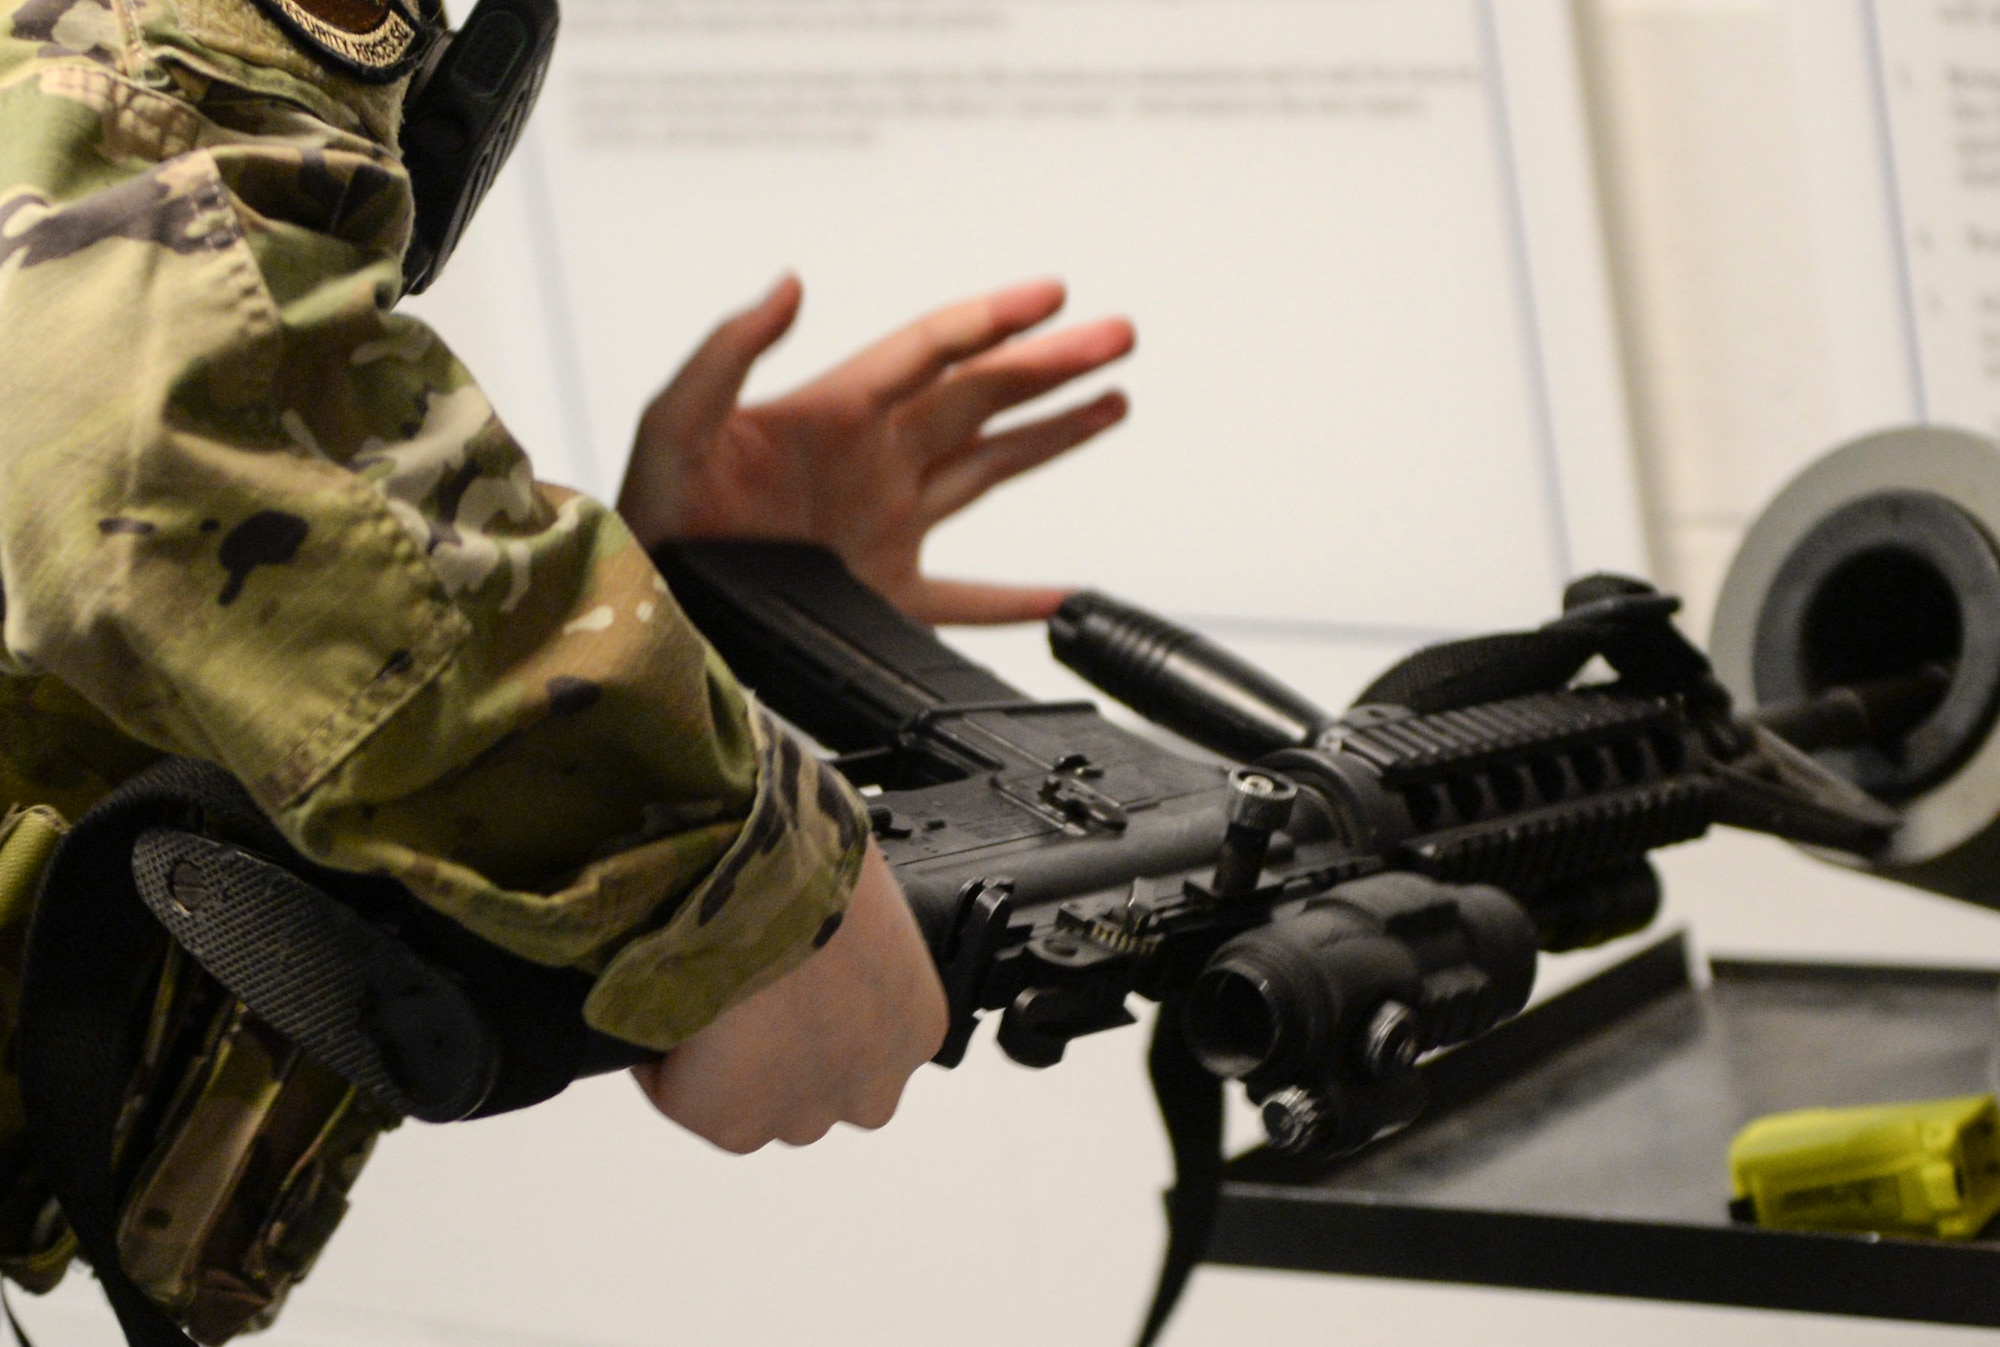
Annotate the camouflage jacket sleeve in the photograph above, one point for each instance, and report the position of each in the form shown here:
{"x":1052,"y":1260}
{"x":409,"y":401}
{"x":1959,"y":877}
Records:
{"x":253,"y":516}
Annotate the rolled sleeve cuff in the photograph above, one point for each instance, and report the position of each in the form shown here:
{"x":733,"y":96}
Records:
{"x":774,"y":897}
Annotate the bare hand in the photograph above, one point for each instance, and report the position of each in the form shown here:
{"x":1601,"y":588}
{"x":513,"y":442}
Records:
{"x":866,"y":458}
{"x":834,"y":1040}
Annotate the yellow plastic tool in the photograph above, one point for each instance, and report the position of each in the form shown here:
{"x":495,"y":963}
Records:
{"x":1930,"y":1168}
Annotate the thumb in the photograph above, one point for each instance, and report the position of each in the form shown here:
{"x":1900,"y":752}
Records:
{"x":704,"y":391}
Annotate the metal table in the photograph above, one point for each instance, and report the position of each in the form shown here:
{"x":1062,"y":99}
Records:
{"x":1583,"y":1146}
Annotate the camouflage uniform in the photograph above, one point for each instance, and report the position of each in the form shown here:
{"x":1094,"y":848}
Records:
{"x":247,"y":514}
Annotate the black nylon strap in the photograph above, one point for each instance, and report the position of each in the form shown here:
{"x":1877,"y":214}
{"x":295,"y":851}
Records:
{"x":92,"y":955}
{"x":94,"y":950}
{"x":1483,"y":669}
{"x":1627,"y":621}
{"x":348,"y":993}
{"x":1190,"y":1102}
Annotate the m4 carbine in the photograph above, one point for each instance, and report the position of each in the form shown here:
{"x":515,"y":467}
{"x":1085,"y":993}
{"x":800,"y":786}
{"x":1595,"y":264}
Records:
{"x":1333,"y":898}
{"x":1316,"y":901}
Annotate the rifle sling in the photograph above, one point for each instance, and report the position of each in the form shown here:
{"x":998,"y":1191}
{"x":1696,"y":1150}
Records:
{"x":1190,"y":1101}
{"x":92,"y":953}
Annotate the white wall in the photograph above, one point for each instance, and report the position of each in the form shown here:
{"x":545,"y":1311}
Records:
{"x":1754,"y":157}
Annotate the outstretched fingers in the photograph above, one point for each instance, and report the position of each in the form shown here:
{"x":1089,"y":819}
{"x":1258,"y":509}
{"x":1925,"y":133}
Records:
{"x":946,"y":421}
{"x":907,"y":361}
{"x":966,"y":477}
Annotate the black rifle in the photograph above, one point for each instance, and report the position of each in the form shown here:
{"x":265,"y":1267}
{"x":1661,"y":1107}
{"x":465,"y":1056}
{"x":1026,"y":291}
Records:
{"x":1372,"y":887}
{"x":1368,"y":888}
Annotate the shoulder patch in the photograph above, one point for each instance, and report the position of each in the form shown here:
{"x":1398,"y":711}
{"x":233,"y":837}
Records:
{"x":373,"y":41}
